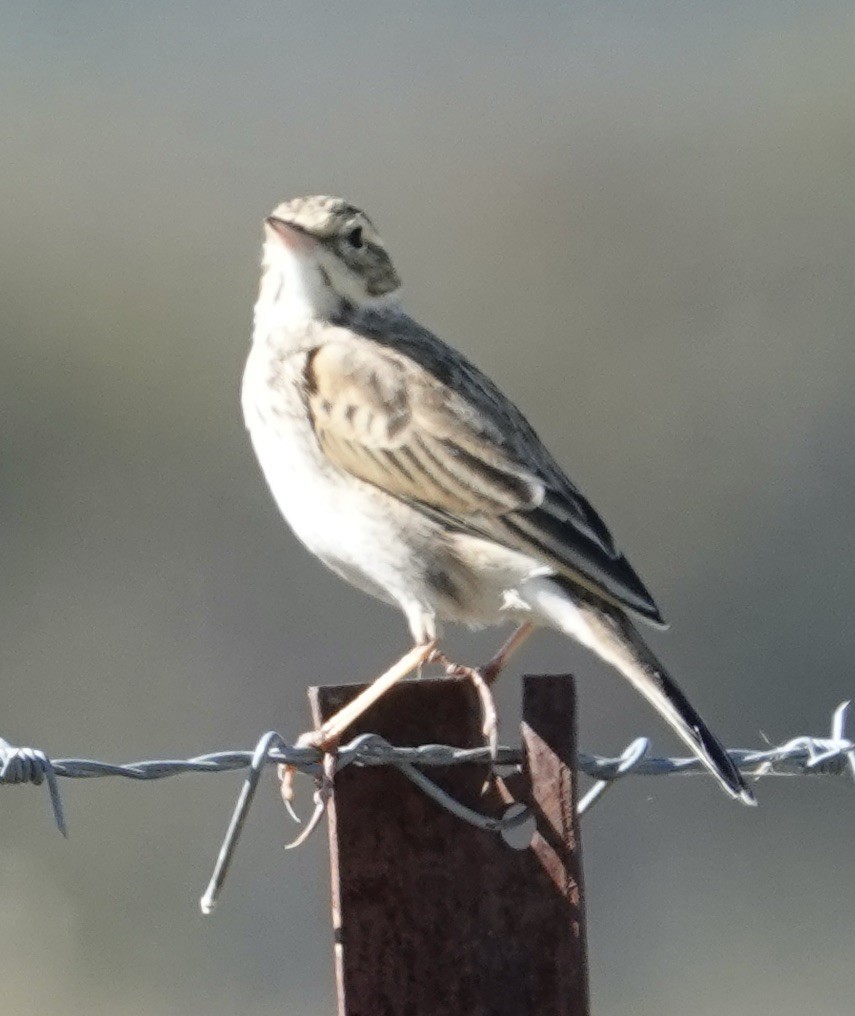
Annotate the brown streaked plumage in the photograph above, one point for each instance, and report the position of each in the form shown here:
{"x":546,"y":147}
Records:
{"x":391,"y":421}
{"x":406,"y":470}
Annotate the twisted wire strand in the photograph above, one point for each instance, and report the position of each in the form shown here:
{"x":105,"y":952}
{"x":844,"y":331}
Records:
{"x":804,"y":755}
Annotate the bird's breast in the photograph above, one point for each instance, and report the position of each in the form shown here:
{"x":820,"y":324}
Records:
{"x":341,"y":519}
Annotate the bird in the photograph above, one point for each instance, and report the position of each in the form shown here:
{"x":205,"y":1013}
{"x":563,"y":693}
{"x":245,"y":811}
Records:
{"x":406,"y":470}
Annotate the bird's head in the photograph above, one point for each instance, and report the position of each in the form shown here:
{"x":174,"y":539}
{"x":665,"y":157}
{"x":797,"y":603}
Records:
{"x":326,"y":255}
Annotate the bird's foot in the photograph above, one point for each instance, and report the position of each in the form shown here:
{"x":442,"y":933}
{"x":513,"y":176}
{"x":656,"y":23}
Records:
{"x":286,"y":772}
{"x":329,"y":735}
{"x":323,"y":788}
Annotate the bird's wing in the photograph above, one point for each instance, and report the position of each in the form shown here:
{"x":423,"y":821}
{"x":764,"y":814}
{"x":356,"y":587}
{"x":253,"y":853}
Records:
{"x":446,"y":441}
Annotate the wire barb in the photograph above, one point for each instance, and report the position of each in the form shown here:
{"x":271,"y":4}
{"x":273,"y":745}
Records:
{"x":247,"y":793}
{"x":828,"y":756}
{"x":630,"y":759}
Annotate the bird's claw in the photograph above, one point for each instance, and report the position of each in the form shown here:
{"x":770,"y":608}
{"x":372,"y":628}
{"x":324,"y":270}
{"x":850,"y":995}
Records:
{"x":286,"y":772}
{"x":322,"y":795}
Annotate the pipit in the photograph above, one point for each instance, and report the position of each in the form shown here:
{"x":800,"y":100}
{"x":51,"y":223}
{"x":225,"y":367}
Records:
{"x":405,"y":470}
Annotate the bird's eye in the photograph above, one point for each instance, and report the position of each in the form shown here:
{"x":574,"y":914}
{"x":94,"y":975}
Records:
{"x":354,"y":237}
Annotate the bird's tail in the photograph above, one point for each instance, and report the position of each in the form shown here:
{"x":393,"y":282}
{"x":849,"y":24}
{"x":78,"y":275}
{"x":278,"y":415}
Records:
{"x":611,"y":635}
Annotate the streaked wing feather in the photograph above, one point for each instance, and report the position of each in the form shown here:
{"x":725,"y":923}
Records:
{"x":461,"y":452}
{"x":385,"y":420}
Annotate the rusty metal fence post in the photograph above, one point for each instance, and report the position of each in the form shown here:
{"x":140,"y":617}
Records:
{"x":431,"y":916}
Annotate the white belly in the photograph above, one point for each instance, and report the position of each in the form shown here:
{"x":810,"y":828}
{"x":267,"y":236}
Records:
{"x":325,"y":513}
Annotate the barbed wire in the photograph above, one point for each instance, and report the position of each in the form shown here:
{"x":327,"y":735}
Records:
{"x":804,"y":755}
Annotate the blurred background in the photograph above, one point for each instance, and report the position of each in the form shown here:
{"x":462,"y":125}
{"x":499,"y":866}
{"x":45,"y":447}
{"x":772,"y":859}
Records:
{"x":639,"y":219}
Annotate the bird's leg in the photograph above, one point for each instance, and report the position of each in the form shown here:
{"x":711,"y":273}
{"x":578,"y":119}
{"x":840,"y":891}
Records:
{"x":491,"y":670}
{"x":489,"y":715}
{"x":331,"y":731}
{"x":490,"y":720}
{"x":327,"y":737}
{"x":483,"y":678}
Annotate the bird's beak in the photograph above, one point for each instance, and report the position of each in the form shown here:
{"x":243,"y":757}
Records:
{"x":291,"y":235}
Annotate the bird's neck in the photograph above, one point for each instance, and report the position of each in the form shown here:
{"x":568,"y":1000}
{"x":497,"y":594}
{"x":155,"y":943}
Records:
{"x":288,"y":298}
